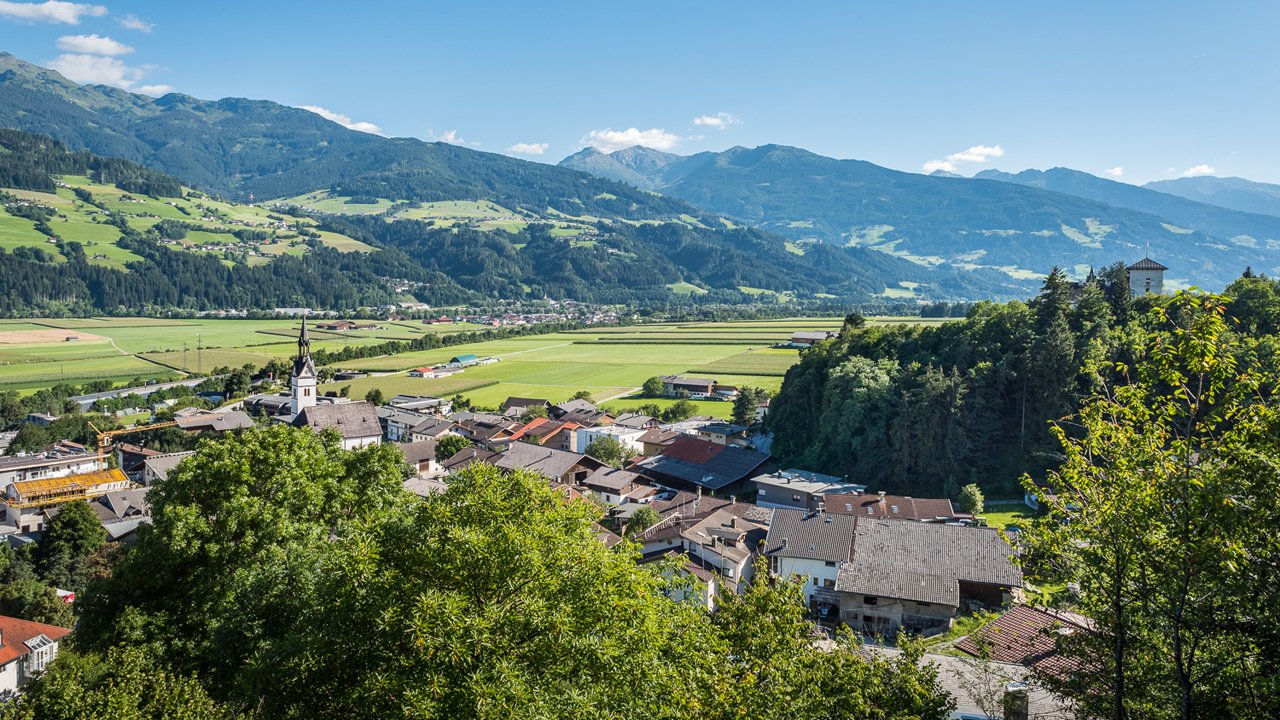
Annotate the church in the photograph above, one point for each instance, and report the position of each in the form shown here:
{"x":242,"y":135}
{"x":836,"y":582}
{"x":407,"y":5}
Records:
{"x":356,"y":422}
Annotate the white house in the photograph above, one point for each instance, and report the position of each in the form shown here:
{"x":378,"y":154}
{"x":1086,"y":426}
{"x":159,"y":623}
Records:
{"x":26,"y":649}
{"x":1146,"y":276}
{"x":811,"y":546}
{"x":629,"y":437}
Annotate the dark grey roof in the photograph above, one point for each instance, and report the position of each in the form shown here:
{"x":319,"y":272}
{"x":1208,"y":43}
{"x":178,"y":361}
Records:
{"x":810,"y":535}
{"x":423,"y":487}
{"x":433,"y":426}
{"x":925,"y":562}
{"x":633,"y":420}
{"x":701,"y":462}
{"x":519,"y":402}
{"x":610,"y":479}
{"x":547,"y":461}
{"x":353,"y":420}
{"x":127,"y":503}
{"x":576,"y":405}
{"x":1146,"y":264}
{"x":722,"y":428}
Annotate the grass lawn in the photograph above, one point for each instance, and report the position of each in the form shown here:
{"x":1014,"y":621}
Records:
{"x":999,"y":516}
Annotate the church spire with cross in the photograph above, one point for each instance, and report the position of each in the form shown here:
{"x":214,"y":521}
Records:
{"x":303,"y":382}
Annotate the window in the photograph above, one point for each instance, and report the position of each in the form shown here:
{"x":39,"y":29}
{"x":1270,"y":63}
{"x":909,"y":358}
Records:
{"x":870,"y":600}
{"x":831,"y":563}
{"x":848,"y":507}
{"x":815,"y":582}
{"x":762,"y":492}
{"x":795,"y":498}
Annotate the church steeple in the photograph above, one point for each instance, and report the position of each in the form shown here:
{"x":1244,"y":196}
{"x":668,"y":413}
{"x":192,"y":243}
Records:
{"x":303,"y":383}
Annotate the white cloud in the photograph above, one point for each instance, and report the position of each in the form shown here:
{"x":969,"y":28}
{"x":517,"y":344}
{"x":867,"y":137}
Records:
{"x":52,"y":11}
{"x":975,"y":154}
{"x":935,"y":165}
{"x":133,"y":22}
{"x":448,"y":136}
{"x":1117,"y":171}
{"x":719,"y":121}
{"x":528,"y":148}
{"x":95,"y":70}
{"x":1199,"y":170}
{"x":609,"y":140}
{"x":343,"y":120}
{"x":156,"y":90}
{"x":93,"y":45}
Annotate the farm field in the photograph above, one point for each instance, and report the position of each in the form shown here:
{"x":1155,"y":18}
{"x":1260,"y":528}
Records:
{"x":611,"y":363}
{"x":35,"y":354}
{"x":210,"y":224}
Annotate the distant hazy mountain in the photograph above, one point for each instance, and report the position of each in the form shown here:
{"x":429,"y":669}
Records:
{"x":1233,"y":226}
{"x":1013,"y":224}
{"x":1229,"y":192}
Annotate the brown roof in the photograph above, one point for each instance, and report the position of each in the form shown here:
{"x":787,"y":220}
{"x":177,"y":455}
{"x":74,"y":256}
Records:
{"x":889,"y":507}
{"x":416,"y":452}
{"x":658,"y":436}
{"x":1026,"y":636}
{"x":15,"y":633}
{"x":1146,"y":264}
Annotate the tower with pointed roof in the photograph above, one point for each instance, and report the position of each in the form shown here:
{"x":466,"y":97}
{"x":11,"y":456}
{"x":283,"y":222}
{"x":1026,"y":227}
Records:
{"x":1146,"y":276}
{"x":303,"y":383}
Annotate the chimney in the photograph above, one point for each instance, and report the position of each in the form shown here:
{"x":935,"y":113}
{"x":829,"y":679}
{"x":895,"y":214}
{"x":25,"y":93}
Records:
{"x":733,"y":521}
{"x":784,"y":544}
{"x":881,"y":494}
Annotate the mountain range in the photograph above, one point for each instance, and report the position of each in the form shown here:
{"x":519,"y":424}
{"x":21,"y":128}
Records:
{"x":1017,"y":224}
{"x":643,"y":226}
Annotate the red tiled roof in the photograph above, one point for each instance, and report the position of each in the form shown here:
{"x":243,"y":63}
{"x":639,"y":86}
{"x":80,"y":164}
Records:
{"x":692,"y":450}
{"x":1026,"y":636}
{"x":14,"y":633}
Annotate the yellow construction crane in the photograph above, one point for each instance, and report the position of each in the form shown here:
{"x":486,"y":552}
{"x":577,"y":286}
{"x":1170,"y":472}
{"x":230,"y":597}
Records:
{"x":104,"y":438}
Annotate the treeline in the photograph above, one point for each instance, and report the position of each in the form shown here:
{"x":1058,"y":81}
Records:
{"x":165,"y":279}
{"x":30,"y":160}
{"x":631,"y":264}
{"x":926,"y":410}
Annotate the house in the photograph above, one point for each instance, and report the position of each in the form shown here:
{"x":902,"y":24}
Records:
{"x":467,"y":456}
{"x":215,"y":422}
{"x":723,"y":433}
{"x":518,"y":406}
{"x":808,"y":338}
{"x":684,"y":510}
{"x":696,"y":584}
{"x":616,"y":487}
{"x":918,"y":575}
{"x":155,"y":469}
{"x":434,"y":373}
{"x":636,"y":420}
{"x":689,"y":463}
{"x":130,"y":458}
{"x":336,"y":326}
{"x":26,"y":649}
{"x":725,"y":544}
{"x":485,"y":429}
{"x":356,"y":422}
{"x":1028,"y":637}
{"x":802,"y":489}
{"x":559,"y":466}
{"x":547,"y":433}
{"x":26,"y":500}
{"x":628,"y":437}
{"x":655,"y":440}
{"x":55,"y":460}
{"x":41,"y":419}
{"x":894,"y":507}
{"x":432,"y":428}
{"x":421,"y":403}
{"x":680,"y":386}
{"x":1146,"y":276}
{"x":813,"y":547}
{"x":581,"y":412}
{"x":121,"y":512}
{"x":420,"y":457}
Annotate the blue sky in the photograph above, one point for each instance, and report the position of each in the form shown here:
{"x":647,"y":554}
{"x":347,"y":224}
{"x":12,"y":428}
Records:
{"x":1136,"y":90}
